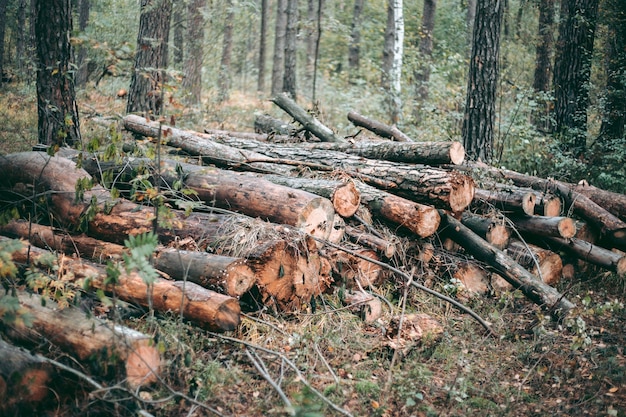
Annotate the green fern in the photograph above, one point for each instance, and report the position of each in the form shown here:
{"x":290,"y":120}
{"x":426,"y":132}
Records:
{"x":141,"y":247}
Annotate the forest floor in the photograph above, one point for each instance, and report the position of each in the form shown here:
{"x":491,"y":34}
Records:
{"x":535,"y":366}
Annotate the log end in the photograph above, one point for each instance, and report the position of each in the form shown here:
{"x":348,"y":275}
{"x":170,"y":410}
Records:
{"x":317,"y":218}
{"x":529,"y":200}
{"x":620,"y":267}
{"x":346,"y":199}
{"x":567,"y":228}
{"x":228,"y":316}
{"x":457,"y":153}
{"x":498,"y":235}
{"x":239,"y":279}
{"x":551,"y":206}
{"x":461,"y":192}
{"x":142,"y":365}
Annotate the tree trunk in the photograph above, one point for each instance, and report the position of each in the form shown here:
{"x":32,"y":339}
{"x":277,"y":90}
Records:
{"x":537,"y":291}
{"x":381,"y":129}
{"x":543,"y":62}
{"x":148,"y":75}
{"x":278,"y":62}
{"x":479,"y":118}
{"x":291,"y":32}
{"x":3,"y":21}
{"x":614,"y":111}
{"x":263,"y":45}
{"x":88,"y":339}
{"x":425,"y":47}
{"x":82,"y":71}
{"x":179,"y":19}
{"x":572,"y":71}
{"x":192,"y":83}
{"x":58,"y":121}
{"x":224,"y":79}
{"x":354,"y":48}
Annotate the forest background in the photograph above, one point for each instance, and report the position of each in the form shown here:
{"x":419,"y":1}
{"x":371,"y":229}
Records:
{"x":233,"y":89}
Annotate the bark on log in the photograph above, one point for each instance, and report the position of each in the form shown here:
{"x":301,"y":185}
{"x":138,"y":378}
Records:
{"x":612,"y":202}
{"x":342,"y":193}
{"x":563,"y":227}
{"x":533,"y":288}
{"x":383,"y":246}
{"x":309,"y":122}
{"x":421,"y":219}
{"x":539,"y":261}
{"x":204,"y":307}
{"x":546,"y":204}
{"x":223,"y":274}
{"x":609,"y":224}
{"x":381,"y":129}
{"x":507,"y":200}
{"x":228,"y":275}
{"x":493,"y":231}
{"x":591,"y":253}
{"x":89,"y":339}
{"x":427,"y":153}
{"x":450,"y":190}
{"x":272,"y":126}
{"x":25,"y":379}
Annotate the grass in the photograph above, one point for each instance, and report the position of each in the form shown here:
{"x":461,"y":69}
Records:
{"x":534,"y":367}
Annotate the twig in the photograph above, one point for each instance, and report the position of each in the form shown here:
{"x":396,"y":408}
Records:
{"x":260,"y":366}
{"x":325,"y":362}
{"x":408,"y":279}
{"x":299,"y":374}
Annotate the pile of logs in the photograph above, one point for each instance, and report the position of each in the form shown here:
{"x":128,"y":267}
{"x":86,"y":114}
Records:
{"x":249,"y":219}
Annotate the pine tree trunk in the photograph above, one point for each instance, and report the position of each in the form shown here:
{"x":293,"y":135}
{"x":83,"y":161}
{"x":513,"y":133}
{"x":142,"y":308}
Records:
{"x":57,"y":111}
{"x":224,"y":79}
{"x":278,"y":62}
{"x":354,"y":49}
{"x":148,"y":75}
{"x":263,"y":45}
{"x":192,"y":83}
{"x":289,"y":76}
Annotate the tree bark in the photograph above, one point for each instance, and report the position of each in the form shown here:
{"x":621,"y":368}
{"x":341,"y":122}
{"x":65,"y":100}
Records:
{"x":308,"y":121}
{"x":479,"y":118}
{"x":507,"y":200}
{"x":263,"y":46}
{"x":427,"y":153}
{"x":278,"y":62}
{"x":493,"y":231}
{"x":224,"y":78}
{"x":545,"y":296}
{"x":192,"y":82}
{"x":383,"y":246}
{"x":572,"y":71}
{"x":591,"y":253}
{"x":562,"y":227}
{"x":58,"y":120}
{"x":148,"y":77}
{"x":539,"y":261}
{"x":289,"y":75}
{"x":425,"y":47}
{"x":543,"y":62}
{"x":354,"y":48}
{"x":420,"y":219}
{"x":89,"y":339}
{"x":381,"y":129}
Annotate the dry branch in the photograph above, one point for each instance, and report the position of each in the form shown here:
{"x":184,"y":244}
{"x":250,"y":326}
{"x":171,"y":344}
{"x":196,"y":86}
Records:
{"x":381,"y":129}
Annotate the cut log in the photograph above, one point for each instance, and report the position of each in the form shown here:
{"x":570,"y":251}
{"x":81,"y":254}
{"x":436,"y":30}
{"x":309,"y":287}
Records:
{"x":47,"y":237}
{"x":381,"y":129}
{"x":342,"y":193}
{"x":25,"y":379}
{"x":493,"y":231}
{"x":366,"y":306}
{"x":353,"y":271}
{"x":228,"y":275}
{"x":473,"y":278}
{"x":427,"y":153}
{"x":307,"y":121}
{"x":588,"y":252}
{"x":339,"y":230}
{"x":89,"y":339}
{"x":382,"y":246}
{"x":421,"y":219}
{"x":224,"y":274}
{"x":609,"y":224}
{"x":545,"y":226}
{"x":612,"y":202}
{"x":428,"y":185}
{"x":264,"y":123}
{"x":507,"y":200}
{"x":533,"y":288}
{"x":539,"y":261}
{"x":204,"y":307}
{"x":547,"y":204}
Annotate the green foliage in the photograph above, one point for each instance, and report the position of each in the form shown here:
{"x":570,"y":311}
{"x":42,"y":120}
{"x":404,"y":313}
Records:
{"x":141,"y":247}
